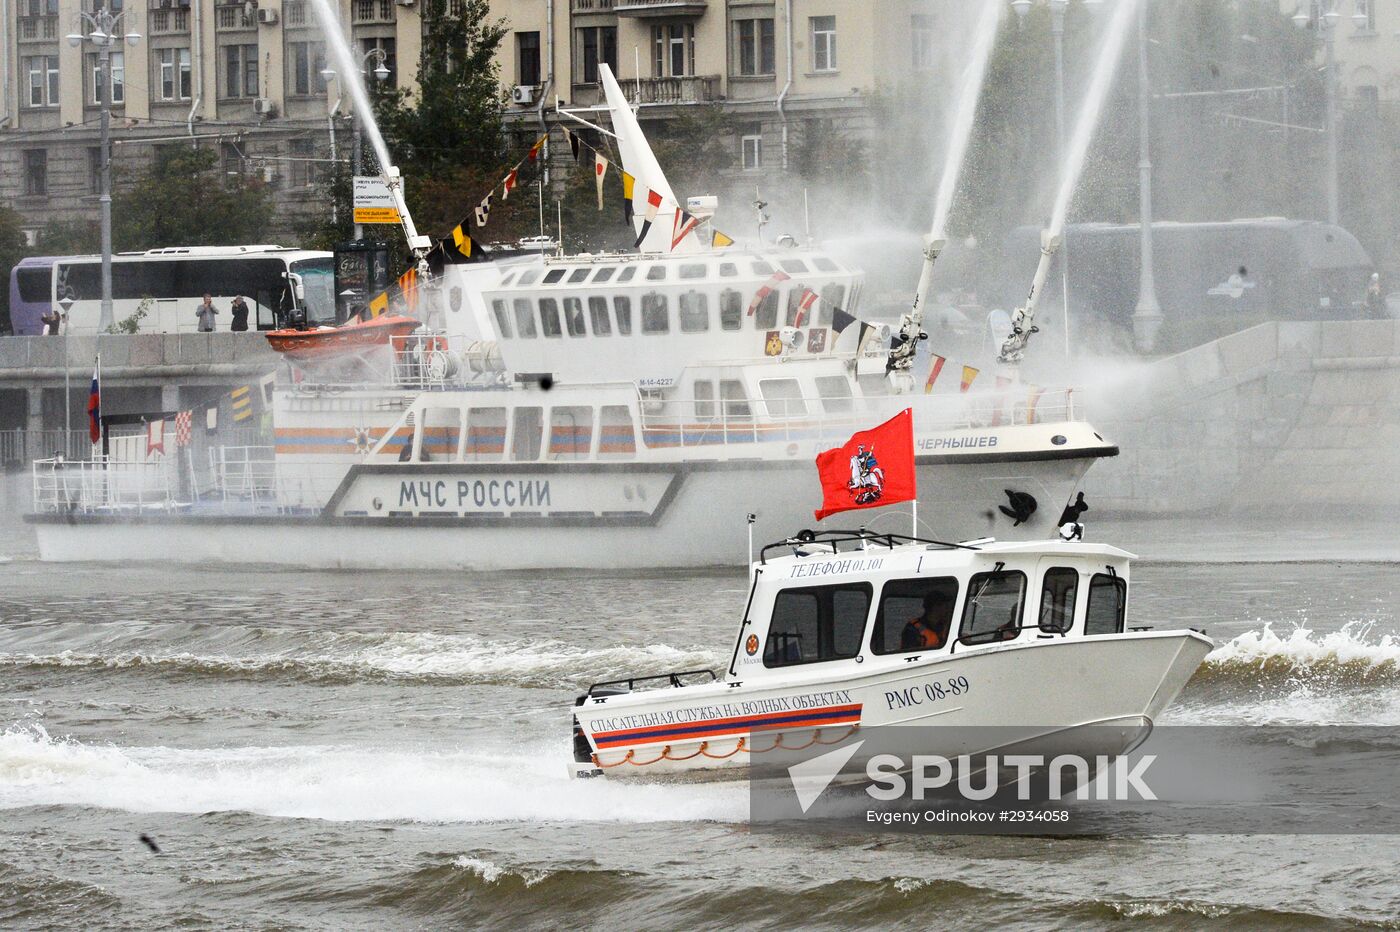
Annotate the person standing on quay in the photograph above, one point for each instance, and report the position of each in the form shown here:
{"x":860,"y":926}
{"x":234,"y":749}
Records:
{"x":206,"y":314}
{"x":239,"y":310}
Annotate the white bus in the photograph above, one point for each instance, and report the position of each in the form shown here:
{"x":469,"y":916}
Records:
{"x":173,"y":281}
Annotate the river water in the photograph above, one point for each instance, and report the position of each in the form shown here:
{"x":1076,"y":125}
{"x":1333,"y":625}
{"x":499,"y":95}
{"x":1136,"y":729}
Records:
{"x":389,"y":750}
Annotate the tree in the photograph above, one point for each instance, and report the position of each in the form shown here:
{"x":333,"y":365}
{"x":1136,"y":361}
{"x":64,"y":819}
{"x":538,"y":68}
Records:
{"x":12,"y":249}
{"x":185,"y":200}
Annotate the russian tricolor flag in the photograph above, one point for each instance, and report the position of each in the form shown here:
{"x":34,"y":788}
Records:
{"x":94,"y":409}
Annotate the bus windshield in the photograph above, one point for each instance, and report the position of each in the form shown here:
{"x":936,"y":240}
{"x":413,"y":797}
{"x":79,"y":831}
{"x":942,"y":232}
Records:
{"x":318,"y":285}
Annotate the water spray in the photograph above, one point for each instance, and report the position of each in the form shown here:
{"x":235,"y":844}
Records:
{"x":1023,"y":320}
{"x":349,"y":75}
{"x":901,"y":358}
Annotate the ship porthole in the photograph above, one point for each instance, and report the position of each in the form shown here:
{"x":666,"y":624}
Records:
{"x":1059,"y":440}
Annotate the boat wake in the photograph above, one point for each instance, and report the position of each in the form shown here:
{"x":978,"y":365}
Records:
{"x":217,"y":651}
{"x":520,"y":783}
{"x":1350,"y":676}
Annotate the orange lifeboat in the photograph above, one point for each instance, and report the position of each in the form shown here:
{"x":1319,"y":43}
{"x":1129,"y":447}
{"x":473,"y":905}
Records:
{"x":353,"y":337}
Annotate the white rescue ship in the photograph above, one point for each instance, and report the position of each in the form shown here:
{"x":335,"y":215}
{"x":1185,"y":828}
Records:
{"x":846,"y":630}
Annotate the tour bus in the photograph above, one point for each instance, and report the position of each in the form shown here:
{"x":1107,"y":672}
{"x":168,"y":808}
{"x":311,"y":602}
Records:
{"x":1211,"y":278}
{"x":170,"y":284}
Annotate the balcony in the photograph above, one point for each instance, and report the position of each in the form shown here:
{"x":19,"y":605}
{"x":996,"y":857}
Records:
{"x":594,"y":6}
{"x":660,"y":7}
{"x":294,"y":12}
{"x":38,"y":28}
{"x":233,"y":17}
{"x":690,"y":89}
{"x":363,"y":12}
{"x":168,"y":21}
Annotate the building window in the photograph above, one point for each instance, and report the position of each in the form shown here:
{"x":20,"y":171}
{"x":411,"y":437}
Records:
{"x":305,"y":168}
{"x":118,"y":78}
{"x":922,"y":33}
{"x":527,"y":57}
{"x":390,"y":49}
{"x":174,"y":82}
{"x":95,"y":170}
{"x":43,"y":80}
{"x":823,"y":43}
{"x":754,"y":46}
{"x":307,"y":60}
{"x":751,"y":150}
{"x":240,"y":71}
{"x":597,"y":44}
{"x":36,"y":171}
{"x":1367,"y":8}
{"x":674,"y":50}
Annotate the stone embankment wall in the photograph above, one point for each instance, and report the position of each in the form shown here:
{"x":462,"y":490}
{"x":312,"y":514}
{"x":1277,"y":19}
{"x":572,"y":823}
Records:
{"x":1280,"y":418}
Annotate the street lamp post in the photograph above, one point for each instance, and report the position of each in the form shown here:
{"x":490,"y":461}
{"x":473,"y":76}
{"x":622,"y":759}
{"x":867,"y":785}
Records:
{"x":381,"y":73}
{"x":1327,"y":35}
{"x":103,"y":29}
{"x":1147,"y":317}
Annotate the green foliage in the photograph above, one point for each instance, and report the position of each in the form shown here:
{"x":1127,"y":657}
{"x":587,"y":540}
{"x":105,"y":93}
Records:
{"x":186,"y":200}
{"x":69,"y":238}
{"x":12,"y":249}
{"x":132,"y":324}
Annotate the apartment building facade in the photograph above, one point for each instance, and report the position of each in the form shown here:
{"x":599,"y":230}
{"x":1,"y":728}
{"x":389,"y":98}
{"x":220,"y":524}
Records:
{"x":244,"y":77}
{"x":776,"y":65}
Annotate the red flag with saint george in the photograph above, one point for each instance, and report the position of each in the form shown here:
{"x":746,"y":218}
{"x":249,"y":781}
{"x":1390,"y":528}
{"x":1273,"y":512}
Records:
{"x":874,"y":468}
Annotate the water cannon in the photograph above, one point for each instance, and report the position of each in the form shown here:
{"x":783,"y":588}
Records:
{"x":702,"y":207}
{"x":1023,"y":320}
{"x":420,"y":245}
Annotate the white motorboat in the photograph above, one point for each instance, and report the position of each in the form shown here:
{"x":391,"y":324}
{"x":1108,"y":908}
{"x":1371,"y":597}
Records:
{"x":847,"y":630}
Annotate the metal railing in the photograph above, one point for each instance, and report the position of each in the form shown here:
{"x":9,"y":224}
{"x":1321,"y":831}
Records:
{"x":246,"y":476}
{"x":372,"y":11}
{"x":689,"y":89}
{"x":101,"y":485}
{"x":233,"y":17}
{"x":38,"y":28}
{"x":294,"y":12}
{"x":591,"y":6}
{"x":18,"y":445}
{"x":733,"y":421}
{"x":165,"y":21}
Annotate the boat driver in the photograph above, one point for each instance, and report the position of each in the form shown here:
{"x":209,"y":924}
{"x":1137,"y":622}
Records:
{"x":929,"y":630}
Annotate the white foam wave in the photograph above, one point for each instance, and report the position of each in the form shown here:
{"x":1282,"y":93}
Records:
{"x":491,"y":872}
{"x":466,"y":658}
{"x":518,"y":784}
{"x":1351,"y":645}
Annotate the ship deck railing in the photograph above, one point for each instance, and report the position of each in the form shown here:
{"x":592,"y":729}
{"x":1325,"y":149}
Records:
{"x":100,"y":485}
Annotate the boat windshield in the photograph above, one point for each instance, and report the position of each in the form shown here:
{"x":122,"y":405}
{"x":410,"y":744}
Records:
{"x":318,"y":285}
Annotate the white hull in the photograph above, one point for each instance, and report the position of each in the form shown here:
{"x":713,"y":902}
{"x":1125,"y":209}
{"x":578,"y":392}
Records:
{"x":693,"y":515}
{"x":1031,"y":689}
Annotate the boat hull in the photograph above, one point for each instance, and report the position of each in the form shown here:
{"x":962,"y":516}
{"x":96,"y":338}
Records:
{"x":585,"y":516}
{"x":1021,"y":693}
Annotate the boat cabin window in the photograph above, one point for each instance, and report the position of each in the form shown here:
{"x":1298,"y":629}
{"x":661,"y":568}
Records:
{"x":914,"y":614}
{"x":1058,"y":590}
{"x":793,"y":265}
{"x":573,"y":317}
{"x":622,"y":307}
{"x":824,"y":264}
{"x":498,"y":310}
{"x":694,"y":312}
{"x":617,"y":439}
{"x":441,"y":429}
{"x":508,"y":279}
{"x":603,"y":274}
{"x":598,"y":316}
{"x":524,"y":319}
{"x":657,"y":273}
{"x":549,"y":318}
{"x":815,"y":624}
{"x":731,"y":310}
{"x":1108,"y":598}
{"x":993,"y":609}
{"x":529,"y":277}
{"x":570,"y":432}
{"x":736,"y":401}
{"x":525,"y":438}
{"x":655,"y":314}
{"x":553,"y":275}
{"x":692,"y":271}
{"x":762,"y":268}
{"x":783,"y":397}
{"x":833,"y":296}
{"x":835,"y":393}
{"x":728,"y":270}
{"x":794,"y":306}
{"x":766,"y":317}
{"x":627,"y":274}
{"x":486,"y":434}
{"x":705,"y":399}
{"x":577,"y":275}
